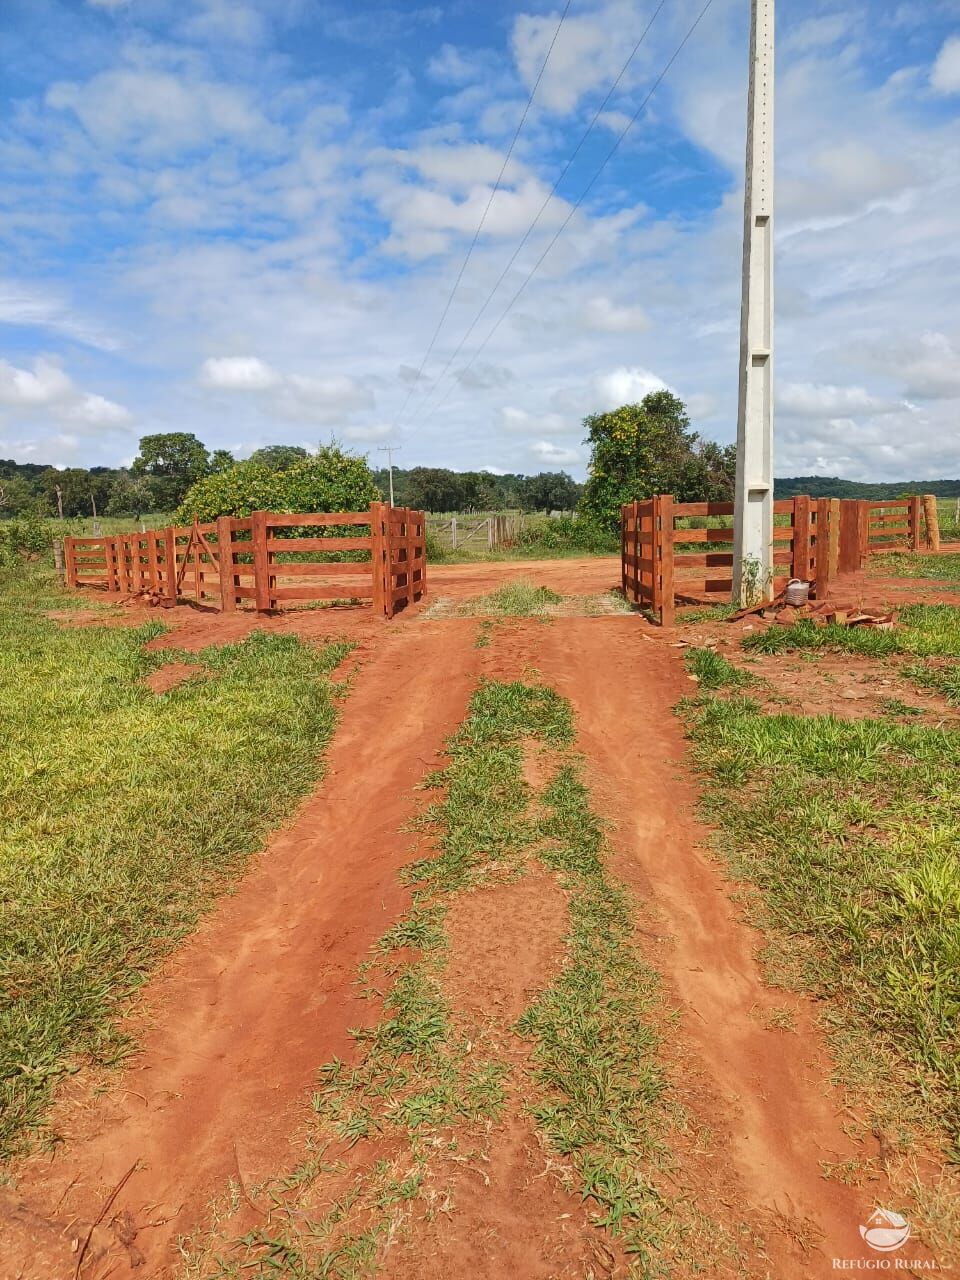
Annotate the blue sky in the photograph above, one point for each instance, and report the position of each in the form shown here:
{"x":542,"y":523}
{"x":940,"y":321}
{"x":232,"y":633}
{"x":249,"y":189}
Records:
{"x":244,"y":218}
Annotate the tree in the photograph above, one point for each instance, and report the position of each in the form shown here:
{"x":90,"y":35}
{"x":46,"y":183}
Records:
{"x":172,"y":461}
{"x":279,"y":457}
{"x":647,"y":448}
{"x":435,"y":489}
{"x":330,"y":480}
{"x":550,"y":491}
{"x":221,"y":460}
{"x":17,"y":496}
{"x":81,"y":491}
{"x":129,"y":495}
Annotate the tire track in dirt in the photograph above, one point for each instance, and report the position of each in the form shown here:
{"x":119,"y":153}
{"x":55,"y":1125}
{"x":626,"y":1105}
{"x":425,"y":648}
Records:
{"x":779,"y":1114}
{"x":235,"y":1025}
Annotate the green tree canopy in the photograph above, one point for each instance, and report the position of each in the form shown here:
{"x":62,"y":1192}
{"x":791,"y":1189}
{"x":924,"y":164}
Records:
{"x":172,"y":461}
{"x":647,"y":448}
{"x":549,"y":491}
{"x":279,"y":457}
{"x":81,"y":491}
{"x":331,"y":480}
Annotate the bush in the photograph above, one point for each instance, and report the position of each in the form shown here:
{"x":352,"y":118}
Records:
{"x":568,"y":533}
{"x":28,"y":536}
{"x":330,"y":480}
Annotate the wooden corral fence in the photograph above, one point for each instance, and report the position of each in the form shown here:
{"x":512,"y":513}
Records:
{"x":477,"y":533}
{"x":265,"y":560}
{"x":678,"y":552}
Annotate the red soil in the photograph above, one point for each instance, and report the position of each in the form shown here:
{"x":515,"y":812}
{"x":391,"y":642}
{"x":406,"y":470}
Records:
{"x":170,"y":675}
{"x":234,"y":1026}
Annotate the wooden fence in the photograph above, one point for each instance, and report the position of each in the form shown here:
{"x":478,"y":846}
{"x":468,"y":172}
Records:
{"x":677,"y":552}
{"x":266,"y":560}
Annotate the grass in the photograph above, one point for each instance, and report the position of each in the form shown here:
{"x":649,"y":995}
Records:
{"x":713,"y":671}
{"x":526,"y":600}
{"x":122,"y":815}
{"x":928,"y":632}
{"x":904,"y":564}
{"x":851,"y":830}
{"x":424,"y":1099}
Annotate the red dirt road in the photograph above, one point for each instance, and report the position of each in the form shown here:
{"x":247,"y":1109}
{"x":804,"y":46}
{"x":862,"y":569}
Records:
{"x":233,"y":1029}
{"x":235,"y":1026}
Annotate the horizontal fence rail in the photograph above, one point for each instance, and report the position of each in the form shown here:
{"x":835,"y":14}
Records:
{"x":266,"y":560}
{"x":682,"y":552}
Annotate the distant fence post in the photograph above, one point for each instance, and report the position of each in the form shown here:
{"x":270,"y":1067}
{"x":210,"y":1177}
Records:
{"x":668,"y":611}
{"x":58,"y":562}
{"x":800,"y":560}
{"x":379,"y":559}
{"x":913,"y":522}
{"x":228,"y":591}
{"x":261,"y":561}
{"x":70,"y":563}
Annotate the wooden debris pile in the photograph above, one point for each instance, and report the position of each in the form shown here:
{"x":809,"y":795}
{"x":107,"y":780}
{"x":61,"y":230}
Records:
{"x":826,"y":613}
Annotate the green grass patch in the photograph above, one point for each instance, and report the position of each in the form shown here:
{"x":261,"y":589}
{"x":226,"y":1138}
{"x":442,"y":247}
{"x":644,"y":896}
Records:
{"x":122,"y":815}
{"x":595,"y":1088}
{"x":941,"y":568}
{"x":851,"y":830}
{"x":713,"y":671}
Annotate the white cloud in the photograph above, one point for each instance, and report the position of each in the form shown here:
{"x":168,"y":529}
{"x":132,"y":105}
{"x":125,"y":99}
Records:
{"x":825,"y":400}
{"x":930,"y":366}
{"x":159,"y":113}
{"x":945,"y":76}
{"x":609,"y":317}
{"x":238,"y":373}
{"x":371,"y":431}
{"x":546,"y":451}
{"x":300,"y":397}
{"x":47,"y":390}
{"x":520,"y":422}
{"x":585,"y":53}
{"x":625,"y":386}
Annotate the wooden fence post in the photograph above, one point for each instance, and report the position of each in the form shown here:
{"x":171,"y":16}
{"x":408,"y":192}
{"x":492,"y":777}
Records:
{"x":261,"y":561}
{"x":153,"y":561}
{"x":422,"y":521}
{"x":170,"y":563}
{"x":228,"y":586}
{"x":833,"y":564}
{"x":623,"y":547}
{"x":914,"y":522}
{"x":863,"y":517}
{"x":70,"y":563}
{"x":409,"y":542}
{"x":822,"y":566}
{"x":113,"y":558}
{"x":800,"y":560}
{"x":58,"y":562}
{"x":378,"y":557}
{"x":668,"y":610}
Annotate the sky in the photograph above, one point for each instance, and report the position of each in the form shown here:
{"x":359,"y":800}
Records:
{"x":246,"y":219}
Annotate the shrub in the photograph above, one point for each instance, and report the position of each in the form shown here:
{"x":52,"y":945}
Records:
{"x":568,"y":533}
{"x":330,"y":480}
{"x":28,"y":536}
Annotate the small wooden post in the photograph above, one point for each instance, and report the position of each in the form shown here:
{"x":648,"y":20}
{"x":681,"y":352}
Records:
{"x":422,"y":524}
{"x":667,"y":603}
{"x":863,"y":517}
{"x":931,"y":520}
{"x":914,"y":522}
{"x":228,"y":586}
{"x":378,"y":566}
{"x":453,"y":532}
{"x":800,"y":560}
{"x":58,"y":563}
{"x":153,"y":560}
{"x":624,"y":519}
{"x":261,"y":561}
{"x":170,"y":563}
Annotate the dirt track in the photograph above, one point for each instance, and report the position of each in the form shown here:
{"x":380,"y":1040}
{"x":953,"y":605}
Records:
{"x":235,"y":1025}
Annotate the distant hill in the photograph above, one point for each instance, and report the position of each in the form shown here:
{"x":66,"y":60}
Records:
{"x":834,"y":487}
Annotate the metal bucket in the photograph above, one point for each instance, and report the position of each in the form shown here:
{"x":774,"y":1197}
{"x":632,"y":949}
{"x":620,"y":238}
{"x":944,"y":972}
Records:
{"x":797,"y":593}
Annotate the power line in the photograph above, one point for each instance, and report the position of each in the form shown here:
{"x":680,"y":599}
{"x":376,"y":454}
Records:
{"x":583,"y":195}
{"x":553,"y":191}
{"x":483,"y":217}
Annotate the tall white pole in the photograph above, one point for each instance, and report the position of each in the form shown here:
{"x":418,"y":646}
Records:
{"x":753,"y":521}
{"x":389,"y":450}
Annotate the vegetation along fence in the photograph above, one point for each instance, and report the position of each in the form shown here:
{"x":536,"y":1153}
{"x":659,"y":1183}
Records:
{"x":682,"y":552}
{"x":265,"y":560}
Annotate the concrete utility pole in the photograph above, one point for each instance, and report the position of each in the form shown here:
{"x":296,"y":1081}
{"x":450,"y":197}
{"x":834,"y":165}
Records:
{"x":389,"y":450}
{"x":753,"y":521}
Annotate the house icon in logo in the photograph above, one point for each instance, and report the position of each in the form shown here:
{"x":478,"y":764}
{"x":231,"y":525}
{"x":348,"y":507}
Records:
{"x":885,"y":1231}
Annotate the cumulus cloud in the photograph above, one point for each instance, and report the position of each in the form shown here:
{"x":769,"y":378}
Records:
{"x":238,"y":373}
{"x":520,"y":422}
{"x":46,"y":390}
{"x":609,"y":317}
{"x":300,"y":397}
{"x":625,"y":386}
{"x":546,"y":451}
{"x":945,"y":76}
{"x":824,"y":400}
